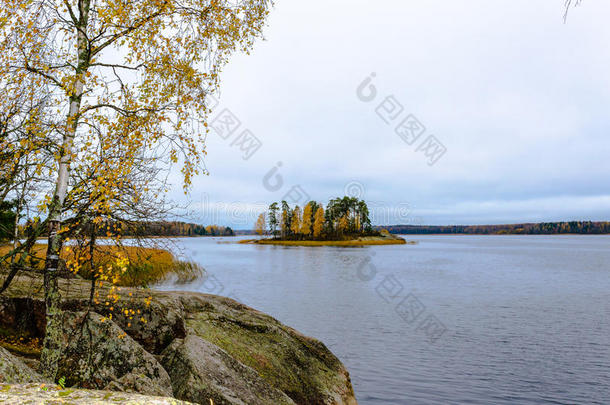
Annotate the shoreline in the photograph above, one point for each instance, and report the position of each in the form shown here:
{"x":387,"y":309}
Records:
{"x":367,"y":241}
{"x":182,"y":345}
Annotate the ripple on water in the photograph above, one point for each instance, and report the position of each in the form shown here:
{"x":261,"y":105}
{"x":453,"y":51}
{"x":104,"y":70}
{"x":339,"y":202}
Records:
{"x":527,"y":317}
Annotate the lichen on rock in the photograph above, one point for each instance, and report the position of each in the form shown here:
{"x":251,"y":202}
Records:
{"x":211,"y":347}
{"x":201,"y":371}
{"x":15,"y":371}
{"x":300,"y":366}
{"x":37,"y":394}
{"x":98,"y":354}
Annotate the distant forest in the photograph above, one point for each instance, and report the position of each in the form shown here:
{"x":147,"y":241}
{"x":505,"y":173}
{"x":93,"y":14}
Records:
{"x":140,"y":229}
{"x":174,"y":228}
{"x":543,"y":228}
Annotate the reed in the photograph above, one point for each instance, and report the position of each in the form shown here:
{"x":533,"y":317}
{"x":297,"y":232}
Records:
{"x":144,"y":266}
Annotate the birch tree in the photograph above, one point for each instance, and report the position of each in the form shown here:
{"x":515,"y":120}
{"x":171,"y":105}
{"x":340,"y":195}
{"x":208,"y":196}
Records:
{"x":260,"y":225}
{"x":122,"y":75}
{"x":318,"y":224}
{"x":306,"y":222}
{"x":295,"y":223}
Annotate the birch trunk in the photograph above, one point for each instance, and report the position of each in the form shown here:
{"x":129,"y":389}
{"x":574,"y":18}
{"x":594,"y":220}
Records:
{"x":52,"y":350}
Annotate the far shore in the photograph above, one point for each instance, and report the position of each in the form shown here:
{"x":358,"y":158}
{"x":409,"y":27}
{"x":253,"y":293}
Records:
{"x":363,"y":241}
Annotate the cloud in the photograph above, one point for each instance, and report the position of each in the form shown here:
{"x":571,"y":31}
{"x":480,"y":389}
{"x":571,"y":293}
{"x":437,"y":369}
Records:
{"x":518,"y":98}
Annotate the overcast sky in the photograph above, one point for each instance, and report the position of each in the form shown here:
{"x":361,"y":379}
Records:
{"x":518,"y":99}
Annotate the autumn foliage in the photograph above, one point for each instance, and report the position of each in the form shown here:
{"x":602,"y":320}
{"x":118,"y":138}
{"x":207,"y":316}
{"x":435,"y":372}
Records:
{"x":343,"y":218}
{"x":101,"y":98}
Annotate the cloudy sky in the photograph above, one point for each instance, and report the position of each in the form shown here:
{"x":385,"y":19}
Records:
{"x":517,"y":99}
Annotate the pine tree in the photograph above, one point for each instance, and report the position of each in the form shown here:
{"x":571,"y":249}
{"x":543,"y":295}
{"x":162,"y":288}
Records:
{"x":273,"y":219}
{"x":286,"y":220}
{"x":7,"y":220}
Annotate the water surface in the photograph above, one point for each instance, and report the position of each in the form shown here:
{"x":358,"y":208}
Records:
{"x":527,"y":318}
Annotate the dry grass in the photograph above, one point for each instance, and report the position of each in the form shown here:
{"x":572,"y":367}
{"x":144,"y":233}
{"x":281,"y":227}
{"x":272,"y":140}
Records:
{"x":145,"y":266}
{"x":38,"y":251}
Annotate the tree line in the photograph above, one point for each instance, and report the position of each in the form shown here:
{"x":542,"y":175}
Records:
{"x":343,"y":218}
{"x":542,"y":228}
{"x":124,"y":229}
{"x":173,"y":228}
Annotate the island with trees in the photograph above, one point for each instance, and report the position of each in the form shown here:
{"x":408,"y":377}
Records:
{"x":343,"y":222}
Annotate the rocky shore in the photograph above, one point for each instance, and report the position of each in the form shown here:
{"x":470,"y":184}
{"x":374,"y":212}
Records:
{"x":180,"y":346}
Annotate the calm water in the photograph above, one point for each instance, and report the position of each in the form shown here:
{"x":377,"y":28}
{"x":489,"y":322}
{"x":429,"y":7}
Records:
{"x":527,"y":318}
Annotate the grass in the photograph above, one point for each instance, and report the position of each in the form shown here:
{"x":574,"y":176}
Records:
{"x":145,"y":266}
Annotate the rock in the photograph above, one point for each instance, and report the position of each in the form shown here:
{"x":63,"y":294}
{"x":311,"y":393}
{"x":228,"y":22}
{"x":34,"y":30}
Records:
{"x":287,"y":361}
{"x":164,"y":319}
{"x":34,"y":364}
{"x":14,"y":371}
{"x":301,"y":367}
{"x":44,"y":394}
{"x":201,"y":371}
{"x":99,"y":355}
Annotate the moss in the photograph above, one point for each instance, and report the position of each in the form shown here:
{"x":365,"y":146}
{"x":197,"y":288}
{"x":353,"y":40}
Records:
{"x":297,"y":365}
{"x":40,"y":394}
{"x":301,"y":367}
{"x":65,"y":393}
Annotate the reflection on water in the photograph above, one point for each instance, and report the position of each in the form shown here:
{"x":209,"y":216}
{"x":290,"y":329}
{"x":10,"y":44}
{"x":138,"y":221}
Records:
{"x":524,"y":319}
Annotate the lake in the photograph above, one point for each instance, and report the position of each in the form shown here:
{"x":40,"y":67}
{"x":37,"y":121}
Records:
{"x":452,"y":319}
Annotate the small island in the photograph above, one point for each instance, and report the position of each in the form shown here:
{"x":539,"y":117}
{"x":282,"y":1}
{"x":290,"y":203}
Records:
{"x":344,"y":222}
